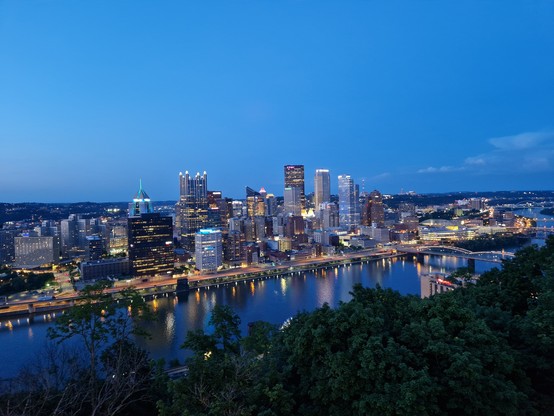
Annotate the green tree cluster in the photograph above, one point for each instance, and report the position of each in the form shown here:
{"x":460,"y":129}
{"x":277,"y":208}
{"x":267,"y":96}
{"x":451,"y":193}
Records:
{"x":497,"y":241}
{"x":487,"y":349}
{"x":14,"y":282}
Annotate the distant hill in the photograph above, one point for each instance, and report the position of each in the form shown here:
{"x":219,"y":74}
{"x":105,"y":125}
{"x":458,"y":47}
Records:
{"x":37,"y":211}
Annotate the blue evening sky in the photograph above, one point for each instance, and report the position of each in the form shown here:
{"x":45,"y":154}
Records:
{"x":423,"y":95}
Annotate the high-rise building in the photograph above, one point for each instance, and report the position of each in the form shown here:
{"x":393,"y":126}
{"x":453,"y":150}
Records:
{"x":215,"y":214}
{"x":322,"y":187}
{"x":73,"y":233}
{"x":69,"y":233}
{"x":373,"y":212}
{"x":191,"y":212}
{"x":48,"y":228}
{"x":328,"y":215}
{"x":7,"y":246}
{"x":349,"y":216}
{"x":294,"y":178}
{"x":208,"y":249}
{"x":150,"y":239}
{"x":233,"y":247}
{"x":117,"y":236}
{"x":255,"y":203}
{"x":94,"y":248}
{"x":293,"y":201}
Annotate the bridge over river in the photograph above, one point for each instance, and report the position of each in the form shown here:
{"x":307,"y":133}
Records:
{"x":471,"y":256}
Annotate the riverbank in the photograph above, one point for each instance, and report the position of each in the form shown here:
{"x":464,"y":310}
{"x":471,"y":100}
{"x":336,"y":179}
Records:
{"x":161,"y":287}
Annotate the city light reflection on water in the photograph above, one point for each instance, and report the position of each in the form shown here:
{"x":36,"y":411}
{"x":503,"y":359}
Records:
{"x":273,"y":299}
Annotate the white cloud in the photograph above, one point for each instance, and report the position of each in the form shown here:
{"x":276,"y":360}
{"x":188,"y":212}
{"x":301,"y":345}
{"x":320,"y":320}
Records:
{"x":522,"y":153}
{"x":522,"y":141}
{"x":380,"y":177}
{"x":442,"y":169}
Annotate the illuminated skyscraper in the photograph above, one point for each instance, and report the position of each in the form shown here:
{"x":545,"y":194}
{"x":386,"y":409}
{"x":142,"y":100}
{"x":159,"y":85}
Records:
{"x":322,"y":187}
{"x":150,"y":239}
{"x":209,"y":250}
{"x":191,"y":212}
{"x":294,"y":178}
{"x":141,"y":203}
{"x":216,"y":216}
{"x":255,"y":203}
{"x":349,"y":216}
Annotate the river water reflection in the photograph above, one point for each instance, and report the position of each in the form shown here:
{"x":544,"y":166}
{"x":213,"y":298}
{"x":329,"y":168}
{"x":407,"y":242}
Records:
{"x":273,"y":299}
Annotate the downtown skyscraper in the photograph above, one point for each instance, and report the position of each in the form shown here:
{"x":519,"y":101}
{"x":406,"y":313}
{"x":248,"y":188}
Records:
{"x":349,"y":216}
{"x":150,"y":239}
{"x":191,"y":212}
{"x":294,"y":178}
{"x":373,"y":212}
{"x":322,"y":187}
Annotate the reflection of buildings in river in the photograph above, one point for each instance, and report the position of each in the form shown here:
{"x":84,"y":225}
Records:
{"x":162,"y":328}
{"x":237,"y":295}
{"x":283,"y":283}
{"x":298,"y":285}
{"x":325,"y":289}
{"x":378,"y":271}
{"x":348,"y":272}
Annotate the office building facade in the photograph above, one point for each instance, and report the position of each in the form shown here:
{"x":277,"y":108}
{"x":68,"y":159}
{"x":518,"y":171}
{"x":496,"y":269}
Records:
{"x":150,"y":239}
{"x":349,"y":216}
{"x":191,"y":212}
{"x":373,"y":212}
{"x":255,"y":203}
{"x":292,"y":201}
{"x":32,"y":252}
{"x":322,"y":187}
{"x":208,"y":250}
{"x":294,"y":178}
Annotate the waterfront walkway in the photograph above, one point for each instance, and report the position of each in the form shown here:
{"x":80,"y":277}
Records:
{"x":158,"y":286}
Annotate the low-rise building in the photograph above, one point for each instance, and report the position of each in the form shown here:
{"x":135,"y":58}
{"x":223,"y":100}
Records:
{"x":101,"y":269}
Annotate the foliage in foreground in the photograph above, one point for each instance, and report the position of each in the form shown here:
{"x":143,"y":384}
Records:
{"x":102,"y":372}
{"x":484,"y":350}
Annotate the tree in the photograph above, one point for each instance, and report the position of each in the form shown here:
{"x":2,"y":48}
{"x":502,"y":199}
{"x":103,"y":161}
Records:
{"x":224,"y":372}
{"x":118,"y":371}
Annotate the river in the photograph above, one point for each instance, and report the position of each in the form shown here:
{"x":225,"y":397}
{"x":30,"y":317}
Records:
{"x":542,"y":221}
{"x":273,"y":299}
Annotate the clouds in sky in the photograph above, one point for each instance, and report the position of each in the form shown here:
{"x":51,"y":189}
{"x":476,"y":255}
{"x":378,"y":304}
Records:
{"x":531,"y":152}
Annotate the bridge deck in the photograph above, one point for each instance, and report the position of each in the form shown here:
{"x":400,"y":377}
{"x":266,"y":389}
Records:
{"x":488,"y":256}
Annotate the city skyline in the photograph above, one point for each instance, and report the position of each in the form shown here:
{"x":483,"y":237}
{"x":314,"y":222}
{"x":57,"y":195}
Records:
{"x":418,"y":96}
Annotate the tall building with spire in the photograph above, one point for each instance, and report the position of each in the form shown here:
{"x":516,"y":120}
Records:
{"x":191,"y":212}
{"x":150,"y":238}
{"x":322,"y":187}
{"x":294,"y":178}
{"x":141,"y":203}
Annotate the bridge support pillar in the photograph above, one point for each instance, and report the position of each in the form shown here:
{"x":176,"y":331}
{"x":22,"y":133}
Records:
{"x":420,"y":258}
{"x":471,"y":265}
